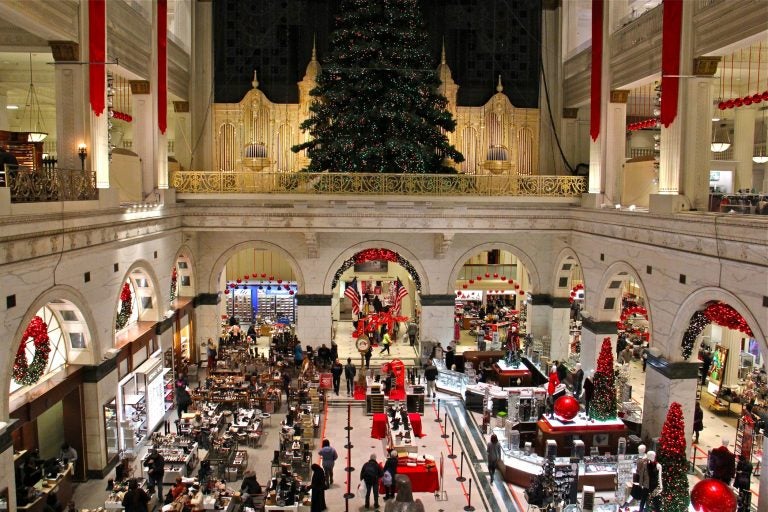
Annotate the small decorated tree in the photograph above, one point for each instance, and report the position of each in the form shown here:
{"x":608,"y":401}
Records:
{"x":126,"y":307}
{"x":674,"y":466}
{"x":174,"y":282}
{"x":603,"y":405}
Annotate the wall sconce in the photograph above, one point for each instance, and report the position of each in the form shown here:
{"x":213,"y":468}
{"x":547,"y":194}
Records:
{"x":82,"y":152}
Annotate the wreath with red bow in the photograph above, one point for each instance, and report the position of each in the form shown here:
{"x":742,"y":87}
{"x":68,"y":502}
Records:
{"x":25,"y":373}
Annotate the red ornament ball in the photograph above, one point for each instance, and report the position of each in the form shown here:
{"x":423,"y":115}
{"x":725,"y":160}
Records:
{"x":226,"y":291}
{"x":756,"y":98}
{"x":495,"y":276}
{"x":239,"y":280}
{"x":712,"y":495}
{"x":738,"y":102}
{"x":729,"y":103}
{"x":747,"y":100}
{"x":566,"y":407}
{"x":765,"y":95}
{"x":722,"y":105}
{"x":291,"y":292}
{"x":465,"y":286}
{"x":521,"y":292}
{"x":263,"y":276}
{"x":487,"y":274}
{"x":503,"y":278}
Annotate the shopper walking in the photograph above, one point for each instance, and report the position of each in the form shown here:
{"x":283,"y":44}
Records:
{"x":328,"y":455}
{"x":698,"y":421}
{"x":386,"y":341}
{"x":298,"y":355}
{"x":494,"y":455}
{"x":430,"y":374}
{"x":412,"y":330}
{"x":370,"y":474}
{"x":388,"y":477}
{"x":211,"y":356}
{"x":318,"y":489}
{"x":349,"y":374}
{"x":336,"y":370}
{"x":368,"y":355}
{"x":155,"y":464}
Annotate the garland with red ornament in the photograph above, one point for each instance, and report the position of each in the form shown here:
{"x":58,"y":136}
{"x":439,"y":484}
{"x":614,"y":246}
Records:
{"x":174,"y":280}
{"x":574,"y":292}
{"x":603,"y":405}
{"x":626,"y":314}
{"x":671,"y":456}
{"x":374,"y":321}
{"x":126,"y":307}
{"x":377,"y":254}
{"x":717,"y":313}
{"x":24,"y":373}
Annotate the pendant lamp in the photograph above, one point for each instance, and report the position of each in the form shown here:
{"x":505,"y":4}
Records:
{"x":32,"y":118}
{"x":761,"y":157}
{"x":721,"y":141}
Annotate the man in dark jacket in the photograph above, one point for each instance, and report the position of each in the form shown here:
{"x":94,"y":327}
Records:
{"x":155,"y":464}
{"x":370,"y":474}
{"x":390,"y":466}
{"x":430,"y":373}
{"x":336,"y":371}
{"x":349,"y":374}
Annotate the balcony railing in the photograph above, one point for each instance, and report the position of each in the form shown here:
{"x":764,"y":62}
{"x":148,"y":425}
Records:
{"x":200,"y":182}
{"x":35,"y":186}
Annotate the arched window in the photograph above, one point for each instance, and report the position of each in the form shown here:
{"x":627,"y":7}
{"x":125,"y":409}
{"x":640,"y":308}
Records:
{"x":59,"y":342}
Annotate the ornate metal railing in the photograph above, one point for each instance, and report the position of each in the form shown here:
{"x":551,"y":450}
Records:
{"x":200,"y":182}
{"x":34,"y":186}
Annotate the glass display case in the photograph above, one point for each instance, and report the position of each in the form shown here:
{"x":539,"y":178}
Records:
{"x":110,"y":428}
{"x":448,"y":380}
{"x":141,"y":402}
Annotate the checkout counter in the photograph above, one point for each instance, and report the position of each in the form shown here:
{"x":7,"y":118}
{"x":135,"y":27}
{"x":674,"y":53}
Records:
{"x":60,"y":484}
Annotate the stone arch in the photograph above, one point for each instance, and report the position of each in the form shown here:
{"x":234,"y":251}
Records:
{"x":188,"y":274}
{"x":562,"y":273}
{"x":350,"y":252}
{"x":226,"y":255}
{"x":62,"y":296}
{"x":607,"y":307}
{"x":530,"y":266}
{"x":697,"y":300}
{"x":142,"y":269}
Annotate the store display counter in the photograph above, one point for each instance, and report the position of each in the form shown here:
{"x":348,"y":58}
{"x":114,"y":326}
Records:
{"x":424,"y":477}
{"x":61,"y":486}
{"x":603,"y":435}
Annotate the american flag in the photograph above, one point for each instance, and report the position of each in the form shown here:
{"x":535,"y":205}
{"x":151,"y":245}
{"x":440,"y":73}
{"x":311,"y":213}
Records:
{"x":353,"y":295}
{"x":400,"y":293}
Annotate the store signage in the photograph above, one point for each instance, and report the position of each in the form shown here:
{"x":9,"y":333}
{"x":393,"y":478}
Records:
{"x":154,"y":372}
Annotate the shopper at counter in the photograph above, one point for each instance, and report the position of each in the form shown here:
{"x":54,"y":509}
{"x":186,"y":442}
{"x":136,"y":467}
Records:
{"x":250,"y":486}
{"x":388,"y":477}
{"x":135,"y":499}
{"x":155,"y":464}
{"x":67,"y":453}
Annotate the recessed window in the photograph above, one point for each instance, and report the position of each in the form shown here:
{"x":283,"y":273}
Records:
{"x":562,"y":282}
{"x":87,"y":277}
{"x":186,"y":281}
{"x":68,"y":315}
{"x":146,"y":303}
{"x":10,"y":301}
{"x":610,"y":303}
{"x":77,"y":340}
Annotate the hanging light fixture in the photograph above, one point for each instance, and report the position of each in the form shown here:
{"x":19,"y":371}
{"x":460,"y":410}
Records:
{"x":761,"y":157}
{"x":721,"y":141}
{"x":35,"y":125}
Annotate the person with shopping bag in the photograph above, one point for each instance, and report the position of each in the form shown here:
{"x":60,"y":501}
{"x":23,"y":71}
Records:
{"x":370,"y":474}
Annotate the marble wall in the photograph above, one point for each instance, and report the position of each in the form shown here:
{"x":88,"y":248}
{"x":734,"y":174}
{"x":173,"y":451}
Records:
{"x":660,"y":392}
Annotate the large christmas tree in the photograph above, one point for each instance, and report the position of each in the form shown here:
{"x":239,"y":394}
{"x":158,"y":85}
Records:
{"x":377,"y":108}
{"x":674,"y":466}
{"x":603,"y":405}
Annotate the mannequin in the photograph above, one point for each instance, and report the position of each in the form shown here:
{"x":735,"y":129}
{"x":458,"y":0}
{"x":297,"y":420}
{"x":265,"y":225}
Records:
{"x":578,"y":380}
{"x":554,"y":382}
{"x":642,"y":460}
{"x":589,"y":389}
{"x":650,"y":479}
{"x":722,"y":463}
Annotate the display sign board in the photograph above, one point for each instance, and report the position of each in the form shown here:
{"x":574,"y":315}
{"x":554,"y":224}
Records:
{"x":326,"y":381}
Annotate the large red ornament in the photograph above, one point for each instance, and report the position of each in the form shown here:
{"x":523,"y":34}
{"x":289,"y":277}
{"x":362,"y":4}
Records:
{"x":712,"y":495}
{"x":567,"y":407}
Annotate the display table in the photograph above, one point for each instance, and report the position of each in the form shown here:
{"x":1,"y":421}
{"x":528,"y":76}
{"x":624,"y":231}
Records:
{"x":604,"y":435}
{"x":422,"y":479}
{"x":509,"y":375}
{"x":379,"y":428}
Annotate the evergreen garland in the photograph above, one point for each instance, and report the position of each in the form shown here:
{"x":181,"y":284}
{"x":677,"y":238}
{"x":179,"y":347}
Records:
{"x":25,"y":373}
{"x":378,"y":108}
{"x":603,"y":405}
{"x":674,"y":466}
{"x":126,"y":307}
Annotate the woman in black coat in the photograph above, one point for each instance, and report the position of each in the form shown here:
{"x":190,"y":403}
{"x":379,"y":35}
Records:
{"x":318,"y":489}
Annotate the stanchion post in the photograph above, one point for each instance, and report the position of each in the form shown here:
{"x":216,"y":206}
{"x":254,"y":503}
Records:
{"x":453,"y":435}
{"x":349,"y":415}
{"x":469,"y":507}
{"x":461,"y":477}
{"x":445,"y":425}
{"x":438,"y":420}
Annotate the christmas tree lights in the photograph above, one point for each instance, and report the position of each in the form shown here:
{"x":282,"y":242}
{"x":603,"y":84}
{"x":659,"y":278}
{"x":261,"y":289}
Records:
{"x":378,"y":108}
{"x":671,"y":456}
{"x":603,"y":405}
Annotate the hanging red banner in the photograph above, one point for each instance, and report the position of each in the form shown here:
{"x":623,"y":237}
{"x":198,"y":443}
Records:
{"x":97,"y":55}
{"x":162,"y":65}
{"x":671,"y":28}
{"x":597,"y":68}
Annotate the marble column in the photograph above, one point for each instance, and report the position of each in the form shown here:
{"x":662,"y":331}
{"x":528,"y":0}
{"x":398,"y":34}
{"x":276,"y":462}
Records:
{"x":597,"y":147}
{"x":182,"y":133}
{"x":437,"y":316}
{"x":201,"y":88}
{"x":4,"y":125}
{"x":142,"y":108}
{"x":743,"y":146}
{"x":69,"y":85}
{"x":99,"y":388}
{"x":159,"y":138}
{"x":667,"y":382}
{"x":314,"y":319}
{"x":592,"y":335}
{"x":7,"y":480}
{"x":616,"y":145}
{"x":208,"y":309}
{"x":551,"y":61}
{"x":549,"y":316}
{"x":569,"y":138}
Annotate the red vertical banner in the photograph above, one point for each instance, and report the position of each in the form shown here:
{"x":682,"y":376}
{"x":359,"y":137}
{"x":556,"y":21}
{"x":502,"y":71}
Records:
{"x":671,"y":28}
{"x":162,"y":65}
{"x":597,"y":68}
{"x":97,"y":55}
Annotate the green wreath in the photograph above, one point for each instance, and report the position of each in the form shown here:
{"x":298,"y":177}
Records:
{"x":25,"y":373}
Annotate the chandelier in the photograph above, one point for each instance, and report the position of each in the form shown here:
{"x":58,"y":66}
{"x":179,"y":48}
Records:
{"x":32,"y":118}
{"x":720,"y":139}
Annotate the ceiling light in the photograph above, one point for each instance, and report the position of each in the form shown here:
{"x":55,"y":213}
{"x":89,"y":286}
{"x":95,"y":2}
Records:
{"x":34,"y":121}
{"x":720,"y":139}
{"x":12,"y":107}
{"x":715,"y":119}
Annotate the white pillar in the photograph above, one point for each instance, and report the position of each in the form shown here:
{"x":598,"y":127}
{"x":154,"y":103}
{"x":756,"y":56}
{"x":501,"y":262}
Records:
{"x":182,"y":133}
{"x":71,"y":102}
{"x":314,"y":319}
{"x":698,"y":112}
{"x":597,"y":148}
{"x":559,"y":331}
{"x":667,"y":382}
{"x":159,"y":139}
{"x":144,"y":126}
{"x":616,"y":145}
{"x":743,"y":146}
{"x":3,"y":110}
{"x":550,"y":161}
{"x":201,"y":68}
{"x":592,"y":335}
{"x":437,"y":316}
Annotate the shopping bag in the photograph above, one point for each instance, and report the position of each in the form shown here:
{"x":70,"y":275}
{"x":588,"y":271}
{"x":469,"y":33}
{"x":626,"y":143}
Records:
{"x":362,"y":489}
